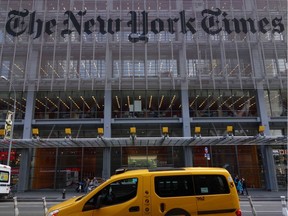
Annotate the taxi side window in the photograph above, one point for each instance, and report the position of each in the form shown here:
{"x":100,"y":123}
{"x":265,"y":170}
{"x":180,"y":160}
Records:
{"x":173,"y":186}
{"x":210,"y":184}
{"x":115,"y":193}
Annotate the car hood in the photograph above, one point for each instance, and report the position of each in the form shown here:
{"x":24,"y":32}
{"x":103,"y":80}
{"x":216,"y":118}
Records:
{"x":65,"y":204}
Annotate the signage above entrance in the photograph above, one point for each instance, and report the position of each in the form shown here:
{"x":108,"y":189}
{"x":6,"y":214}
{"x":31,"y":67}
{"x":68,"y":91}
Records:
{"x":213,"y":22}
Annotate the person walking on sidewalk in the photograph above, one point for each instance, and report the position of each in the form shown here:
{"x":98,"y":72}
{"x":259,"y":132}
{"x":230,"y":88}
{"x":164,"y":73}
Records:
{"x":236,"y":180}
{"x":244,"y":187}
{"x":239,"y":186}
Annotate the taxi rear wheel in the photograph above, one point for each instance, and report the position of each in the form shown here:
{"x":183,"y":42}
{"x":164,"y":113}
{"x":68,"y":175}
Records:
{"x":177,"y":212}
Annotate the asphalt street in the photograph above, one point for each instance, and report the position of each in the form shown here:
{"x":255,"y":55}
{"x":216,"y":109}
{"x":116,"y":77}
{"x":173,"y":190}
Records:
{"x":28,"y":208}
{"x":30,"y":203}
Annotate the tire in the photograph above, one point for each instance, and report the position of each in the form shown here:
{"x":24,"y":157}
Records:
{"x":177,"y":212}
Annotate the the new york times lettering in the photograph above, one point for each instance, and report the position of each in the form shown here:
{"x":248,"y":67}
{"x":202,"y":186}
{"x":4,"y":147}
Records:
{"x":213,"y":22}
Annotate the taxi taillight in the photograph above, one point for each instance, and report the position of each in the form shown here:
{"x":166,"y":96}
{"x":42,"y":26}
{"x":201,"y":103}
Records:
{"x":238,"y":212}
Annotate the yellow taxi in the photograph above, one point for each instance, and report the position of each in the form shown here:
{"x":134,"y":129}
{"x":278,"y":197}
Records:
{"x":158,"y":192}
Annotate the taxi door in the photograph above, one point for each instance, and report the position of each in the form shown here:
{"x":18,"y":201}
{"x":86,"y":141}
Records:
{"x":122,"y":197}
{"x":215,"y":196}
{"x":173,"y":195}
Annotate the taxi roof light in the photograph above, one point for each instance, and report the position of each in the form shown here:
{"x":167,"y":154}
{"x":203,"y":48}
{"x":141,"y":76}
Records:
{"x":121,"y":170}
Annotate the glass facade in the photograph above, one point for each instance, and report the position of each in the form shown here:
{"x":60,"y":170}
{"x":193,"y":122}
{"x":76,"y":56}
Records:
{"x":89,"y":64}
{"x":64,"y":167}
{"x":276,"y":102}
{"x":222,"y":103}
{"x":69,"y":105}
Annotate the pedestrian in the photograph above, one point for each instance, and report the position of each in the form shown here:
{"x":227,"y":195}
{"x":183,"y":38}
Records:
{"x":80,"y":187}
{"x":236,"y":179}
{"x":239,"y":187}
{"x":87,"y":181}
{"x":95,"y":182}
{"x":244,"y":186}
{"x":90,"y":185}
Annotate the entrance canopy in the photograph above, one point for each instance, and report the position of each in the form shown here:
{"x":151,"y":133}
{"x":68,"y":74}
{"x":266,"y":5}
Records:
{"x":144,"y":141}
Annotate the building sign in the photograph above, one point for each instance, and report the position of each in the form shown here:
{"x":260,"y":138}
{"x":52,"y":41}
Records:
{"x":4,"y":155}
{"x":8,"y":125}
{"x":213,"y":22}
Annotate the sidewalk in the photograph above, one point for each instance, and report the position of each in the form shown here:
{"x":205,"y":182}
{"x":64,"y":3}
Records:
{"x":264,"y":195}
{"x":50,"y":195}
{"x":57,"y":196}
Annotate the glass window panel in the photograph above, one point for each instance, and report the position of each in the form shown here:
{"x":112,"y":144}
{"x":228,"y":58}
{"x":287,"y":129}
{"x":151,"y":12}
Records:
{"x":139,"y":68}
{"x":222,"y":103}
{"x":261,"y":5}
{"x":3,"y":5}
{"x":271,"y":67}
{"x":284,"y":102}
{"x":278,"y":36}
{"x":101,"y":5}
{"x":7,"y":103}
{"x":116,"y":68}
{"x":174,"y":186}
{"x":191,"y":68}
{"x":276,"y":102}
{"x":28,"y":4}
{"x":127,"y":68}
{"x":87,"y":68}
{"x":52,"y":5}
{"x":69,"y":171}
{"x":151,"y":70}
{"x":64,"y":5}
{"x":238,"y":5}
{"x":2,"y":38}
{"x":78,"y":5}
{"x":280,"y":160}
{"x":283,"y":67}
{"x":267,"y":103}
{"x":82,"y":104}
{"x":5,"y":68}
{"x":166,"y":68}
{"x":146,"y":104}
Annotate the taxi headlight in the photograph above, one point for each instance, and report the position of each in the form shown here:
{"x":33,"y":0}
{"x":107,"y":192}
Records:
{"x":53,"y":213}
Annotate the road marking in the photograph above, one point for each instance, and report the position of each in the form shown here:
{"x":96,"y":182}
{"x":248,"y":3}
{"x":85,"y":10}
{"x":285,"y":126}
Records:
{"x":253,"y":205}
{"x":261,"y":211}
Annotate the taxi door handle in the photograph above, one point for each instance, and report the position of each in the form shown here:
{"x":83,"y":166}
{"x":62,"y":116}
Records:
{"x":162,"y":207}
{"x":134,"y":209}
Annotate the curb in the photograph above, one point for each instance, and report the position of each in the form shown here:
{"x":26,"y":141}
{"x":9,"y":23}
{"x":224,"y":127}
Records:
{"x":261,"y":198}
{"x":36,"y":199}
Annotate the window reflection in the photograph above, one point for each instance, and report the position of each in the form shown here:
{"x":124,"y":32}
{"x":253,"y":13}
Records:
{"x":276,"y":103}
{"x":7,"y":103}
{"x":73,"y":69}
{"x":222,"y":103}
{"x":66,"y":105}
{"x":233,"y":66}
{"x":165,"y":68}
{"x":146,"y":104}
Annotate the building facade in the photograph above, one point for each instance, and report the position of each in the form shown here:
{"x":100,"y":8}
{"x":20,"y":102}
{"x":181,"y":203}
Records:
{"x":103,"y":84}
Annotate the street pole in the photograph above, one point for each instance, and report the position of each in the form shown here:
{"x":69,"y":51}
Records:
{"x":13,"y":119}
